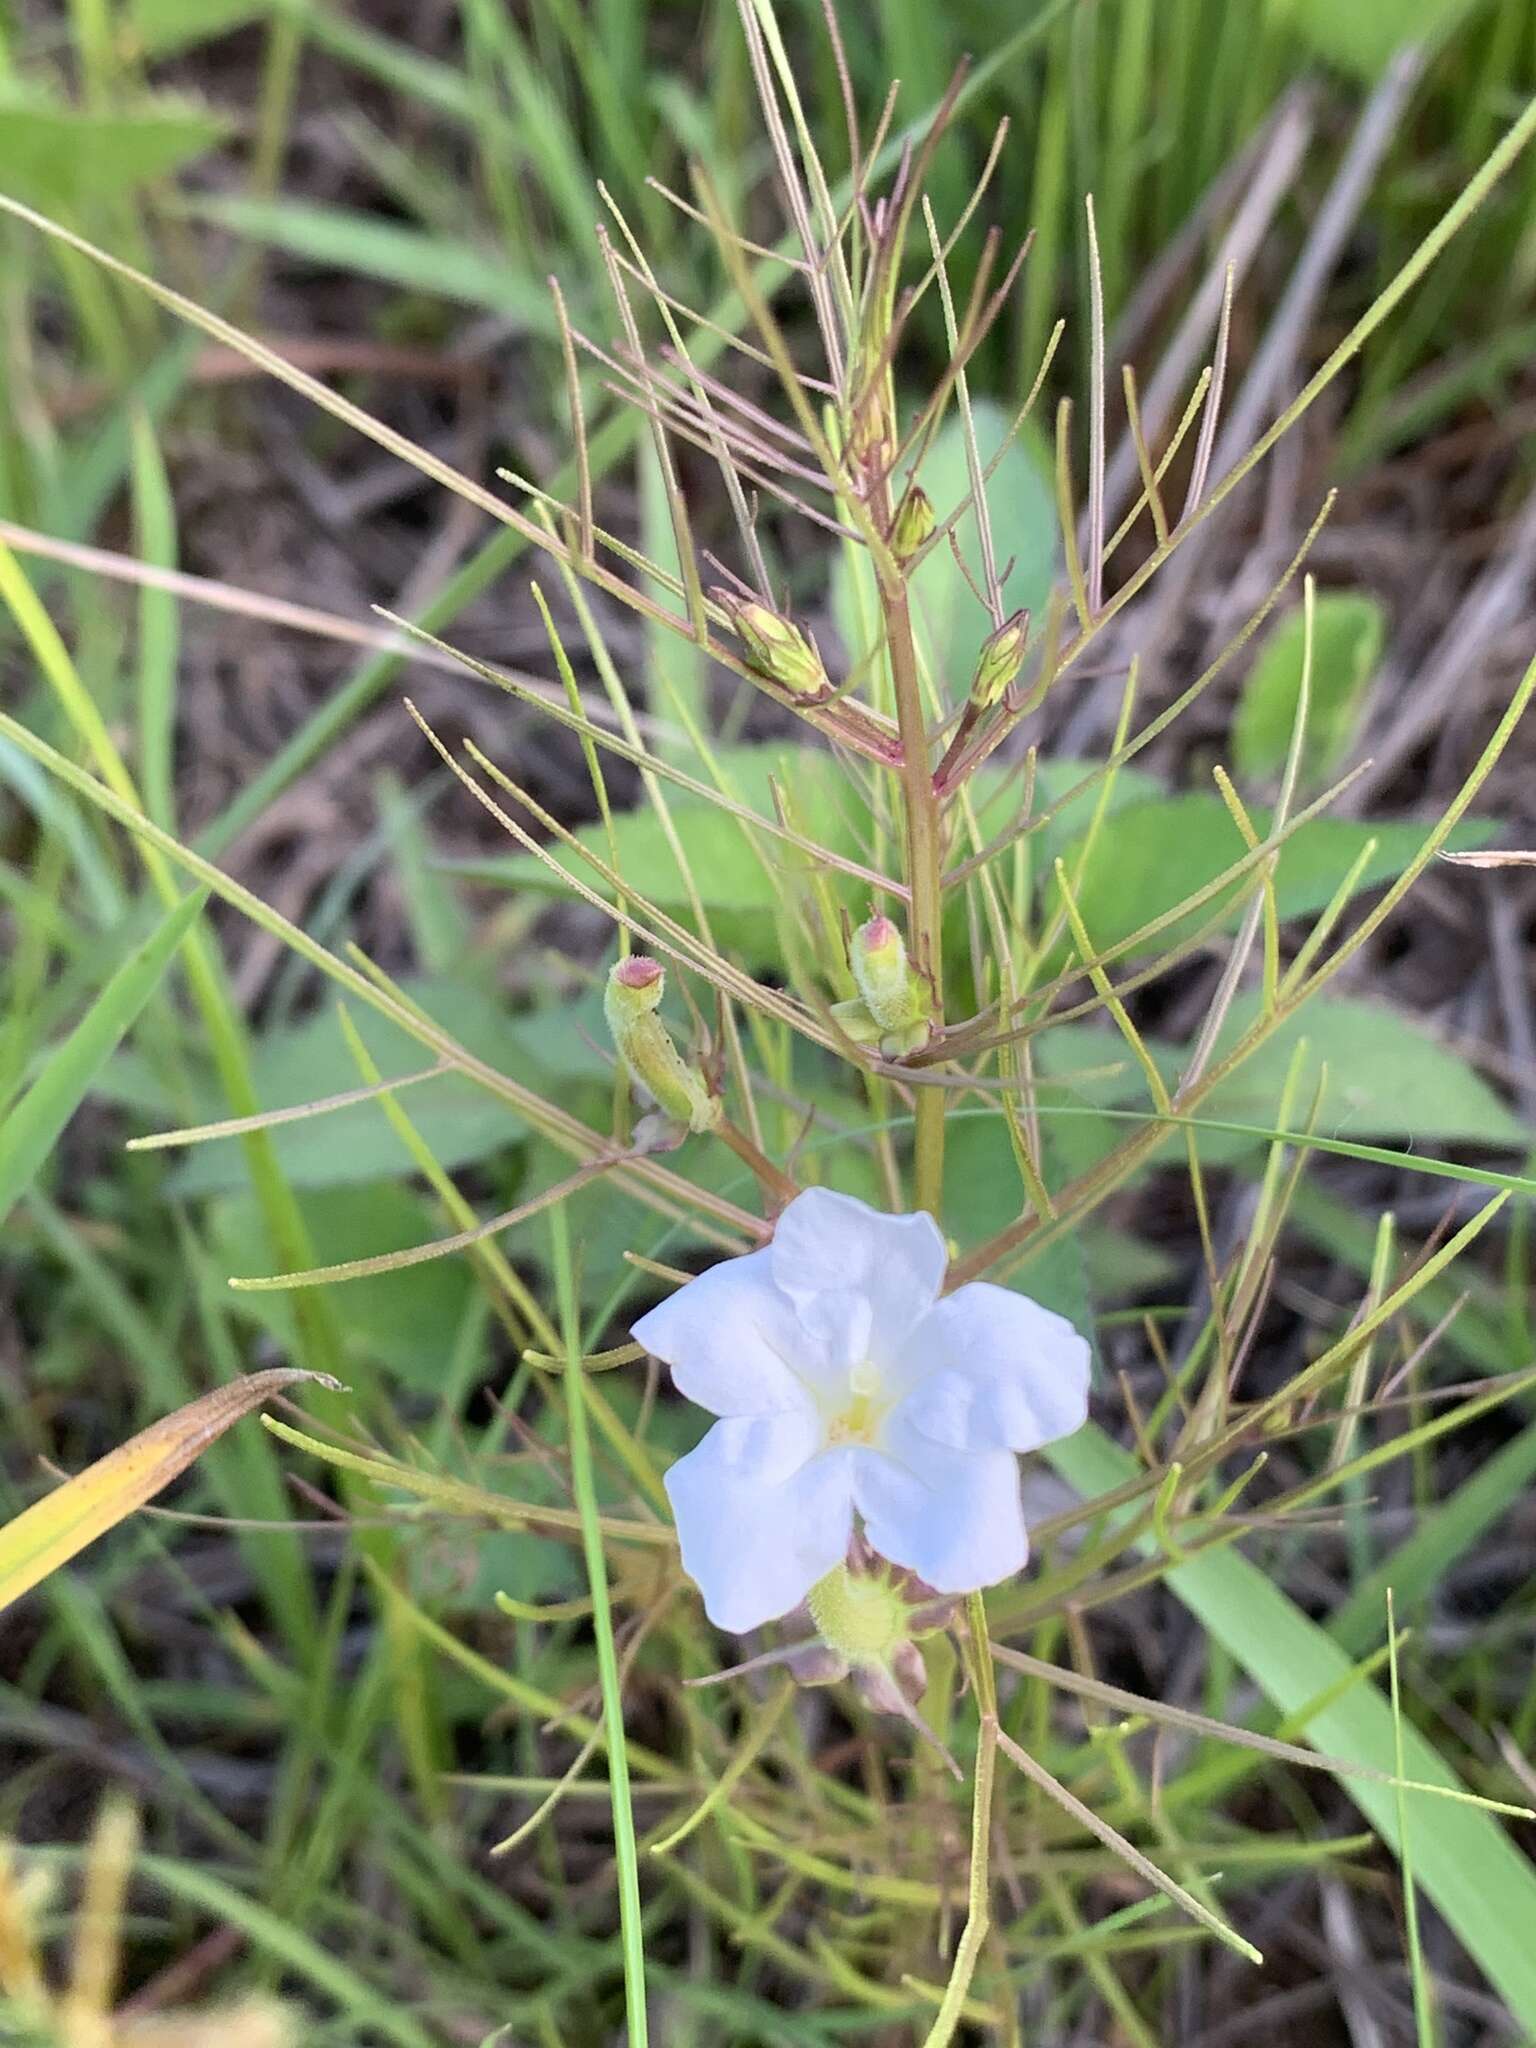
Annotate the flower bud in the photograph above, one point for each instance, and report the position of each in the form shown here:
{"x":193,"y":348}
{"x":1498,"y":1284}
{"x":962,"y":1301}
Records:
{"x":894,"y":993}
{"x":777,"y":648}
{"x":630,"y":1003}
{"x":913,"y":523}
{"x":1001,"y":658}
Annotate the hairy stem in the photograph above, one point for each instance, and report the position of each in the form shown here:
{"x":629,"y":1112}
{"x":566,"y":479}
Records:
{"x":924,"y":864}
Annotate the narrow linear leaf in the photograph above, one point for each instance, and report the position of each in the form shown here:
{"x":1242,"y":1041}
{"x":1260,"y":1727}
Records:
{"x":32,"y":1128}
{"x":60,"y":1525}
{"x":1466,"y":1860}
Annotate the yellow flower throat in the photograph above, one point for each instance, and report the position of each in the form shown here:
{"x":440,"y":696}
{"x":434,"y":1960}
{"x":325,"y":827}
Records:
{"x":859,"y":1420}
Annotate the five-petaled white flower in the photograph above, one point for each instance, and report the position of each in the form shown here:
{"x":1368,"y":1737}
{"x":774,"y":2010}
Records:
{"x":844,"y":1382}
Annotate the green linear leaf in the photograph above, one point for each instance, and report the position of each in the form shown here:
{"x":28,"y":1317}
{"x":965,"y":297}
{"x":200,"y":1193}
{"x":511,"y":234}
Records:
{"x":32,"y":1128}
{"x":393,"y":251}
{"x":1464,"y":1861}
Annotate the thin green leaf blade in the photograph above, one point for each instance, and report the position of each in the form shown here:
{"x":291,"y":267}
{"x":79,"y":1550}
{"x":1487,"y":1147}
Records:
{"x":33,"y":1127}
{"x":1464,"y":1861}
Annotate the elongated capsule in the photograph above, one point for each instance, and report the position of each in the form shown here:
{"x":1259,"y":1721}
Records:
{"x":630,"y":1004}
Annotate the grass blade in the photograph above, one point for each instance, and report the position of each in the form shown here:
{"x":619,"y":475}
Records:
{"x":1463,"y":1860}
{"x":60,"y":1525}
{"x":584,"y":1487}
{"x":33,"y":1127}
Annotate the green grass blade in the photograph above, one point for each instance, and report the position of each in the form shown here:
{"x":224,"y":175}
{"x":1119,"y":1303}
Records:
{"x":1464,"y":1860}
{"x":159,"y":627}
{"x":270,"y":1934}
{"x":1446,"y":1532}
{"x":32,"y":1128}
{"x":336,"y":238}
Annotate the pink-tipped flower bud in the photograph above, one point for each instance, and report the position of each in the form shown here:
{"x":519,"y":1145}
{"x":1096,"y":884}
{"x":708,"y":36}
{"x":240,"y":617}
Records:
{"x":894,"y":993}
{"x":1001,"y":658}
{"x":777,"y":648}
{"x":630,"y":1002}
{"x":640,"y":979}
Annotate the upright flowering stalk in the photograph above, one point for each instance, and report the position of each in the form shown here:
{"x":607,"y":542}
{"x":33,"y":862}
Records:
{"x":863,"y":1460}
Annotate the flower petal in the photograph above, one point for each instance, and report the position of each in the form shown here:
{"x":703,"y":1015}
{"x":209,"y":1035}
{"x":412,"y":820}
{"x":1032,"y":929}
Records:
{"x":760,"y":1516}
{"x":731,"y":1339}
{"x":953,"y":1517}
{"x":990,"y":1369}
{"x":827,"y":1244}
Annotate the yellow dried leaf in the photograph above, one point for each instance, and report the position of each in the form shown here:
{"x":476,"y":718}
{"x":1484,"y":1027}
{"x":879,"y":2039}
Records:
{"x":254,"y":2023}
{"x":60,"y":1525}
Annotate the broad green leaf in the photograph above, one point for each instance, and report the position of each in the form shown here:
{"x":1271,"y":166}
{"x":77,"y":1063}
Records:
{"x":1347,"y":636}
{"x":161,"y":28}
{"x":737,"y":871}
{"x":54,"y":155}
{"x":741,"y":874}
{"x":1464,"y":1860}
{"x":30,"y":1130}
{"x":1022,"y":501}
{"x":337,"y":239}
{"x":406,"y":1321}
{"x":983,"y":1194}
{"x":60,"y":1525}
{"x":1149,"y":857}
{"x":511,"y":1561}
{"x":305,"y":1062}
{"x":1362,"y":36}
{"x":1386,"y":1077}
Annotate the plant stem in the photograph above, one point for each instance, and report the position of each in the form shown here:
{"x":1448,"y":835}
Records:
{"x":778,"y":1188}
{"x":978,"y":1917}
{"x":583,"y":1487}
{"x":924,"y":864}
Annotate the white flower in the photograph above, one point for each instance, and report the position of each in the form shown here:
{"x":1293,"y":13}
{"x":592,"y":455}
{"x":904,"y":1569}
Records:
{"x":844,"y":1383}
